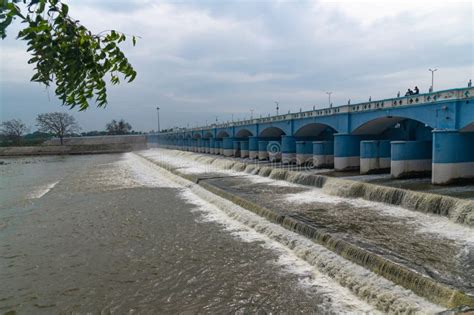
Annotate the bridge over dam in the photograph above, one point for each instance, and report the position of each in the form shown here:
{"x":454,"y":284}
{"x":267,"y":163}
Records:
{"x":405,"y":136}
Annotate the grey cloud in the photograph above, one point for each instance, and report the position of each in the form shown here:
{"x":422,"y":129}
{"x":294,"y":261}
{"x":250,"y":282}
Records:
{"x":255,"y":52}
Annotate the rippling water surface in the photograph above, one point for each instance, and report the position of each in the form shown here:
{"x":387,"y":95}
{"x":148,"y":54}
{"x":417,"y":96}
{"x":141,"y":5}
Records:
{"x":107,"y":233}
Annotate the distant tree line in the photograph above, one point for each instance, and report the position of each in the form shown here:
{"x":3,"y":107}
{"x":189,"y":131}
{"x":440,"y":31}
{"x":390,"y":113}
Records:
{"x":14,"y":132}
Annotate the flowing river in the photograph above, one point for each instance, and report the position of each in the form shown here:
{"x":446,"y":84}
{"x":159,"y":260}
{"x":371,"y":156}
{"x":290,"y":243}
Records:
{"x":119,"y":234}
{"x":107,"y":233}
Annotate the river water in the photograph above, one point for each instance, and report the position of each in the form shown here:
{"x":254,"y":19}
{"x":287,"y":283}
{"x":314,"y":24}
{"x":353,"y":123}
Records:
{"x":111,"y":233}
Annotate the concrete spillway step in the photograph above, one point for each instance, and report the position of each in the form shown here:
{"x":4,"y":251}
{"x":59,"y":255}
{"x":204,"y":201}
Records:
{"x":401,"y":245}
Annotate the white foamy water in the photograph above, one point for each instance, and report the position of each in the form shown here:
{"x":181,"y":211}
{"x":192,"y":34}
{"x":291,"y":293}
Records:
{"x":41,"y":190}
{"x":128,"y":172}
{"x":287,"y":259}
{"x":437,"y":226}
{"x":144,"y":172}
{"x":188,"y":166}
{"x":311,"y":262}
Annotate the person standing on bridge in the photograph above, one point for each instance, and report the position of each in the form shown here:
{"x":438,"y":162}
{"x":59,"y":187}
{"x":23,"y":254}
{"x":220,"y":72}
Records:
{"x":417,"y":90}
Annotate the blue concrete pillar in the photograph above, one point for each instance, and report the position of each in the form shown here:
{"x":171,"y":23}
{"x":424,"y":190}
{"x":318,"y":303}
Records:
{"x":195,"y":145}
{"x":304,"y":152}
{"x":288,"y":149}
{"x":253,"y":147}
{"x":199,"y":145}
{"x":274,"y":151}
{"x":152,"y":141}
{"x":323,"y":154}
{"x":212,"y":145}
{"x":346,"y":152}
{"x":187,"y":144}
{"x":228,"y":146}
{"x":453,"y":156}
{"x":217,"y":146}
{"x":221,"y":148}
{"x":244,"y":148}
{"x":262,"y":150}
{"x":410,"y":158}
{"x":374,"y":156}
{"x":236,"y":148}
{"x":206,"y":146}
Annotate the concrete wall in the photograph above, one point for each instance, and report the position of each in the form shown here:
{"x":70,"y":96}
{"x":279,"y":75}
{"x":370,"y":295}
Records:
{"x":71,"y":149}
{"x":124,"y":139}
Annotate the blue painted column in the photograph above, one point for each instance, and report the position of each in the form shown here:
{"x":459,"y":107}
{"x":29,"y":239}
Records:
{"x":199,"y":145}
{"x":410,"y":158}
{"x":152,"y":141}
{"x":195,"y":145}
{"x":374,"y":156}
{"x":262,"y":150}
{"x":274,"y":151}
{"x":346,"y":152}
{"x":188,"y":144}
{"x":323,"y":154}
{"x":288,"y":149}
{"x":180,"y":144}
{"x":244,"y":148}
{"x":206,"y":145}
{"x":212,"y":145}
{"x":228,"y":146}
{"x":304,"y":152}
{"x":253,"y":147}
{"x":236,"y":148}
{"x":217,"y":146}
{"x":453,"y":156}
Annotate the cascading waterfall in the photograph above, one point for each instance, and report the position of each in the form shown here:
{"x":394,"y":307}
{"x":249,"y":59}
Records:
{"x":239,"y":167}
{"x":378,"y":291}
{"x":251,"y":169}
{"x":458,"y":210}
{"x":264,"y":171}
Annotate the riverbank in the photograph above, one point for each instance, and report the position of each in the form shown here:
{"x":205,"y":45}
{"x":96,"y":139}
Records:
{"x":70,"y":149}
{"x":422,"y":242}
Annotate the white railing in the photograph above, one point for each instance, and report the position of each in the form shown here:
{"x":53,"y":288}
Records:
{"x":411,"y":100}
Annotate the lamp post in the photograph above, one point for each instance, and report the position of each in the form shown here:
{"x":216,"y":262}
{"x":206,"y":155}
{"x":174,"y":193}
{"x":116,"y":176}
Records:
{"x":158,"y":116}
{"x":277,"y":107}
{"x":432,"y":78}
{"x":251,"y":114}
{"x":329,"y":98}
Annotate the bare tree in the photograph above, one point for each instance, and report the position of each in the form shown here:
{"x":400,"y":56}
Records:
{"x":120,"y":127}
{"x":13,"y":130}
{"x":60,"y":124}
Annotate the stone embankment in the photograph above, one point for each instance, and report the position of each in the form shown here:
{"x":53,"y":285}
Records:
{"x":81,"y":145}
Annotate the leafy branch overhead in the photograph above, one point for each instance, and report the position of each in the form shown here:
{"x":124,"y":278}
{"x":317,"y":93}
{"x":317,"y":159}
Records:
{"x":66,"y":53}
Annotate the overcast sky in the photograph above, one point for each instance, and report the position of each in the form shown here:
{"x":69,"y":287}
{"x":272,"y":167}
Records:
{"x":202,"y":59}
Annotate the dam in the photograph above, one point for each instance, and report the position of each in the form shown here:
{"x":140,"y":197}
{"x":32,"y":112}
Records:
{"x":416,"y":135}
{"x":361,"y":209}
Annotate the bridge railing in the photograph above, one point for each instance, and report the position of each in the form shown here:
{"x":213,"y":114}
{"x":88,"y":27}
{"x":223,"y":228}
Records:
{"x":411,"y":100}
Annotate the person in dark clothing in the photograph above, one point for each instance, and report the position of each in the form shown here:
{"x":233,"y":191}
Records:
{"x":417,"y":90}
{"x":409,"y":92}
